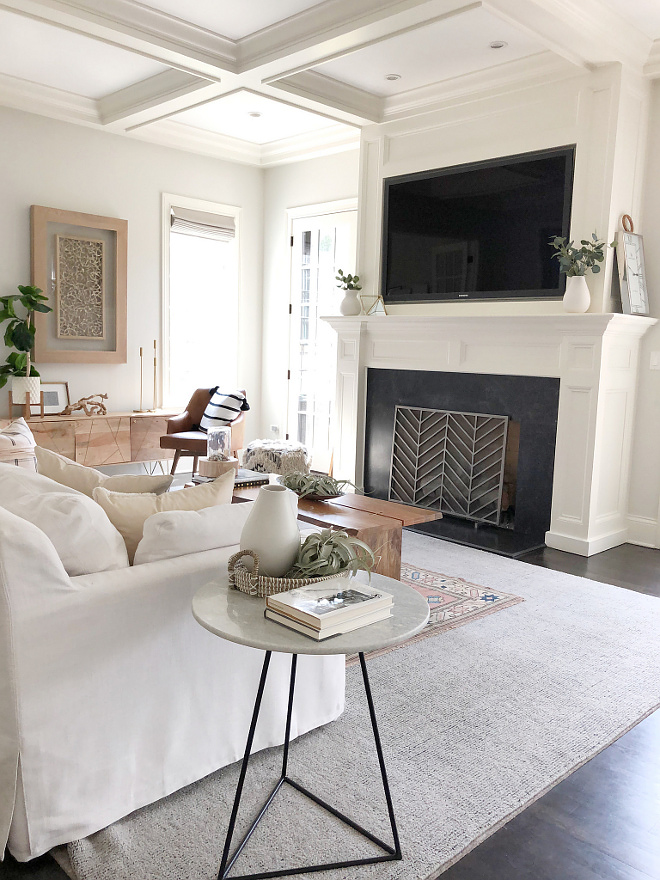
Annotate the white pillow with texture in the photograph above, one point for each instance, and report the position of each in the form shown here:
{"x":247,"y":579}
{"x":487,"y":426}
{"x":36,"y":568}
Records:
{"x":179,"y":532}
{"x":129,"y":512}
{"x":85,"y":479}
{"x":83,"y":536}
{"x":17,"y":445}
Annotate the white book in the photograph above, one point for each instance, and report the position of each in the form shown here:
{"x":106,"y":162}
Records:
{"x":325,"y":604}
{"x":336,"y":630}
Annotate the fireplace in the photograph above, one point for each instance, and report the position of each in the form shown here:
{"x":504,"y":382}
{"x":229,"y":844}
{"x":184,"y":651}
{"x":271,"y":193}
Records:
{"x":590,"y":362}
{"x":530,"y":402}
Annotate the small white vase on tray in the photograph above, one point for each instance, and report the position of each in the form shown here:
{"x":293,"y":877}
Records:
{"x":271,"y":530}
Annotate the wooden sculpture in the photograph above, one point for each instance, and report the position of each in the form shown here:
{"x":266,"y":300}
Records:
{"x":91,"y":406}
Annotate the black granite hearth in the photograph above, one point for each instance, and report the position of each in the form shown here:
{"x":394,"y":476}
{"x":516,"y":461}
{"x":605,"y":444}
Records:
{"x":531,"y":400}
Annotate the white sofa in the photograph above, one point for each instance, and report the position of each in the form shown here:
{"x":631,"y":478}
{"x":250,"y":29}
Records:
{"x":112,"y":696}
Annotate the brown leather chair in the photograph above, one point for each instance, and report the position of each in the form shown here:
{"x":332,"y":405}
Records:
{"x":183,"y":434}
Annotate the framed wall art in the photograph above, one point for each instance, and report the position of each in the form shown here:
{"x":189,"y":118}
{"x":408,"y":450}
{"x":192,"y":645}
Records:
{"x":79,"y":261}
{"x":55,"y":396}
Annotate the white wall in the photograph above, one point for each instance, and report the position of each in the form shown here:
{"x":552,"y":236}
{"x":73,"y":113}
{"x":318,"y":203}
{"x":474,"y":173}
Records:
{"x":312,"y":182}
{"x":59,"y":165}
{"x":645,"y":477}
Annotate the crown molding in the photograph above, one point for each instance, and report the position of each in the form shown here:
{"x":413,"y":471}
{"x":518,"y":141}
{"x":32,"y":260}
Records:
{"x":354,"y":105}
{"x":131,"y":25}
{"x":168,"y":133}
{"x":652,"y":66}
{"x":20,"y":94}
{"x":585,"y":32}
{"x":310,"y":146}
{"x":523,"y":73}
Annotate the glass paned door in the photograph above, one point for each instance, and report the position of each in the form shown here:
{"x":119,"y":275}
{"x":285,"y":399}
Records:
{"x":321,"y":245}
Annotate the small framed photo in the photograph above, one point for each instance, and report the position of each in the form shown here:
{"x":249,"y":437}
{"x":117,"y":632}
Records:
{"x":56,"y":397}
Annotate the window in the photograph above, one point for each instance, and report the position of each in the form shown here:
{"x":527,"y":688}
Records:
{"x":201,"y":298}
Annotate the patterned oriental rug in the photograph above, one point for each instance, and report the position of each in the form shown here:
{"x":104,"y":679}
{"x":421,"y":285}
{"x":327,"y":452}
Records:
{"x":453,"y":602}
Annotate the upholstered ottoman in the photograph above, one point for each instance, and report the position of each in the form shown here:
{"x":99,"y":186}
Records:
{"x":276,"y":457}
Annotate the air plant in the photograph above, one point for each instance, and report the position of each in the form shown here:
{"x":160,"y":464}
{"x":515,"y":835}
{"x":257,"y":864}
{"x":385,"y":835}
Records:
{"x":315,"y":484}
{"x":331,"y":552}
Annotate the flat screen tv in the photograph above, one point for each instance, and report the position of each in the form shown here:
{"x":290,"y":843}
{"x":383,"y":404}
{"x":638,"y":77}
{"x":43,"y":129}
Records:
{"x":477,"y":231}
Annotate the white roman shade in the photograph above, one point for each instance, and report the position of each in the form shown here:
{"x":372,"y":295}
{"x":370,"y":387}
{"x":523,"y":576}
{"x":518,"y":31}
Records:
{"x":202,"y":224}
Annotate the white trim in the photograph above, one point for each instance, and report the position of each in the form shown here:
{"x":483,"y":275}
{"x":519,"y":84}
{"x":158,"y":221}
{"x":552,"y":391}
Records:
{"x":336,"y":207}
{"x":583,"y":547}
{"x":643,"y":530}
{"x":168,"y":201}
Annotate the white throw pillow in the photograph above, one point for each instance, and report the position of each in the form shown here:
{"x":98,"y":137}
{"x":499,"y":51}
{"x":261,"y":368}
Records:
{"x":129,"y":512}
{"x":223,"y":408}
{"x":83,"y":536}
{"x":86,"y":479}
{"x":178,"y":532}
{"x":17,"y":445}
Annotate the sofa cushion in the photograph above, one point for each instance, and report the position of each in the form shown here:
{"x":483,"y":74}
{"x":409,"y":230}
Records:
{"x":17,"y":445}
{"x":85,"y":479}
{"x":223,"y":408}
{"x":129,"y":512}
{"x":179,"y":532}
{"x":81,"y":533}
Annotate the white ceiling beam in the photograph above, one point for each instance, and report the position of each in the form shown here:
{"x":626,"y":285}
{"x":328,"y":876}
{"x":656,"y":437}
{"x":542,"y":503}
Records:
{"x":158,"y":96}
{"x":47,"y":101}
{"x":334,"y":29}
{"x":585,"y":32}
{"x":652,"y":66}
{"x":140,"y":29}
{"x":345,"y":102}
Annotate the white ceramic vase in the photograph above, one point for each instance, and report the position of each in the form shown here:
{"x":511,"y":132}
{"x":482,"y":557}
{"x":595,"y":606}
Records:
{"x":21,"y":386}
{"x":350,"y":305}
{"x":271,"y":530}
{"x":577,"y":298}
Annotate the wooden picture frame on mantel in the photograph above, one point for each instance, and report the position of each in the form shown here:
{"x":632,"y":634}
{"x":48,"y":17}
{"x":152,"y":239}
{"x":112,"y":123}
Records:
{"x":80,"y":263}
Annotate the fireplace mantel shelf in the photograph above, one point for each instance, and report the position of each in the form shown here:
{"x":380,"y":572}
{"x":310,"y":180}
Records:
{"x":594,"y":356}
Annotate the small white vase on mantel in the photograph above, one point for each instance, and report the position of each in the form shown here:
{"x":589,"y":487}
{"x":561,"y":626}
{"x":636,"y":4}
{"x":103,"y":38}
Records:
{"x":271,"y":530}
{"x":350,"y":305}
{"x":577,"y":298}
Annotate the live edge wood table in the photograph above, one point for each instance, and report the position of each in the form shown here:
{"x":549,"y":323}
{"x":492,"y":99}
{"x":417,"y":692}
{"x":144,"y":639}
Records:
{"x":377,"y":523}
{"x":239,"y":618}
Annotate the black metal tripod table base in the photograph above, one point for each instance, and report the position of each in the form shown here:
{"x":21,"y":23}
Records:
{"x":391,"y":852}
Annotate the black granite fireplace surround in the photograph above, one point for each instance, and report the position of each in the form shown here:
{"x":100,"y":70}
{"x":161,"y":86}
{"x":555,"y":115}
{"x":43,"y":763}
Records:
{"x":531,"y":400}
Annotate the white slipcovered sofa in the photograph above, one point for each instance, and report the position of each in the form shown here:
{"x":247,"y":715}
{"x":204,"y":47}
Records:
{"x":112,"y":696}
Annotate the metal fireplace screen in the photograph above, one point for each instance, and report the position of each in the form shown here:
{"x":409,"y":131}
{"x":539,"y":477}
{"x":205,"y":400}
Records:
{"x":449,"y":461}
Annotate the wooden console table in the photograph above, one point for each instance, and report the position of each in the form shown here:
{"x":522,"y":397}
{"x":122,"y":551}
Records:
{"x":115,"y":438}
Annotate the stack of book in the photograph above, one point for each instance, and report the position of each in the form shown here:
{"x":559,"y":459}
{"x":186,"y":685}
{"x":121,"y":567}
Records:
{"x":329,"y":608}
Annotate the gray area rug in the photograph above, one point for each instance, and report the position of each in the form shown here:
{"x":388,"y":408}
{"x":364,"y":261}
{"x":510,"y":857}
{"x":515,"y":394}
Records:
{"x":476,"y":723}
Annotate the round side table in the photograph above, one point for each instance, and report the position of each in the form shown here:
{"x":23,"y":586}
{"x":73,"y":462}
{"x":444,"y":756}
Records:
{"x":239,"y":618}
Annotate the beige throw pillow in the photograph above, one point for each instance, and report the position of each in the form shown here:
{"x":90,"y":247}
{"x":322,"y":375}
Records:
{"x":85,"y":479}
{"x":129,"y":512}
{"x":17,"y":445}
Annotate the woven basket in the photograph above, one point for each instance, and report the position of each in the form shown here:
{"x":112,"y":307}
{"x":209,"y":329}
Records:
{"x":255,"y":584}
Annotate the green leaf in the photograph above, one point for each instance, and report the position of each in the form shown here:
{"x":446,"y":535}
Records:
{"x":595,"y":269}
{"x":23,"y":336}
{"x":39,"y":307}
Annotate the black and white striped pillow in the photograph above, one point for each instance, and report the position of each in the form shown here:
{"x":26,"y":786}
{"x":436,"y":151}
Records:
{"x":17,"y":445}
{"x":222,"y":409}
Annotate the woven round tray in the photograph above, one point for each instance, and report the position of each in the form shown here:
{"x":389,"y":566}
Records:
{"x":255,"y":584}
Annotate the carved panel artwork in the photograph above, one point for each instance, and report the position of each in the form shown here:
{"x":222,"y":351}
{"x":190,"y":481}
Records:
{"x":80,"y":287}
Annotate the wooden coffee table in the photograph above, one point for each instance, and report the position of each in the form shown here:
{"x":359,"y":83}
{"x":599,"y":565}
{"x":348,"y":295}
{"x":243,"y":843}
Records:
{"x":377,"y":523}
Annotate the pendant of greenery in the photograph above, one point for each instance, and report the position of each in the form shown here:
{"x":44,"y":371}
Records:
{"x":19,"y":332}
{"x":578,"y":261}
{"x":347,"y":282}
{"x":330,"y":552}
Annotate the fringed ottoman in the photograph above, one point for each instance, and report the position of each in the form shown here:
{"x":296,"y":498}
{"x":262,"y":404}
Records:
{"x":276,"y":457}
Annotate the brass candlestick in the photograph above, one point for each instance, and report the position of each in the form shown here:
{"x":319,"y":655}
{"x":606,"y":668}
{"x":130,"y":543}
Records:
{"x":141,"y":385}
{"x":155,"y":378}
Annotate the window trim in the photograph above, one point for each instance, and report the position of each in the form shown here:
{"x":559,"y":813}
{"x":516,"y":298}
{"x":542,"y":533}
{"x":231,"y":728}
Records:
{"x":168,"y":201}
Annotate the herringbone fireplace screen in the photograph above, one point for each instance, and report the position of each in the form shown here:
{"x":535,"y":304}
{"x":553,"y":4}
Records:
{"x":449,"y":461}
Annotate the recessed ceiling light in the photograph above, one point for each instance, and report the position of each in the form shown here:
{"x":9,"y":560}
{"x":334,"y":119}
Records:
{"x":255,"y":114}
{"x":392,"y":77}
{"x":498,"y":44}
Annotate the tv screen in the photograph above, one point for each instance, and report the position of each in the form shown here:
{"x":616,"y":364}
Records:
{"x":477,"y":231}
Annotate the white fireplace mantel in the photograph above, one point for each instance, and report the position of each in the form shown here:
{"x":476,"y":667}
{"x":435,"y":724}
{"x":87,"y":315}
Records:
{"x":595,"y":358}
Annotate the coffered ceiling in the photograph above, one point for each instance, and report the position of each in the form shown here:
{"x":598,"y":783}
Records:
{"x":267,"y":82}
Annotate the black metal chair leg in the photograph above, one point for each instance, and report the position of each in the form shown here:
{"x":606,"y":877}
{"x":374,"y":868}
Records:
{"x":246,"y":758}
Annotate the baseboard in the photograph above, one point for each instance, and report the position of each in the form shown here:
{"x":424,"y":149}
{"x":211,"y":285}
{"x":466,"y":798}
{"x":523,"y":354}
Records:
{"x":583,"y":547}
{"x":643,"y":530}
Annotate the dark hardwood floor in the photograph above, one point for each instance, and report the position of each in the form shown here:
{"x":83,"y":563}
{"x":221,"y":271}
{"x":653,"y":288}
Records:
{"x":601,"y":823}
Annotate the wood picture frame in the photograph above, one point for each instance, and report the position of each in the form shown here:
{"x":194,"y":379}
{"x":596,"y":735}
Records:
{"x":52,"y":345}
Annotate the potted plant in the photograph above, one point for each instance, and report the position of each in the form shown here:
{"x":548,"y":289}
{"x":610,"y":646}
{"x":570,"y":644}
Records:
{"x":575,"y":262}
{"x":19,"y":335}
{"x":350,"y":305}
